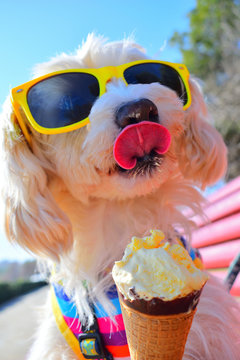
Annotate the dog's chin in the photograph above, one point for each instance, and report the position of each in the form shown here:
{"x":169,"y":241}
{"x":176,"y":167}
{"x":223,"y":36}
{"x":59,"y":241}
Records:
{"x":149,"y":173}
{"x":145,"y":166}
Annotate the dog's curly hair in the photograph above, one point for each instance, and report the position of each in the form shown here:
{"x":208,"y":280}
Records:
{"x":68,"y":202}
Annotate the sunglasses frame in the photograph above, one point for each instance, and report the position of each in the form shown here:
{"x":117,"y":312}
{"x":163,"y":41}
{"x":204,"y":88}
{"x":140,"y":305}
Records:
{"x":103,"y":75}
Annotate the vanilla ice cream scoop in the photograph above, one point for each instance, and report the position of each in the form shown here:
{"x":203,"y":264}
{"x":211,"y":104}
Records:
{"x":153,"y":268}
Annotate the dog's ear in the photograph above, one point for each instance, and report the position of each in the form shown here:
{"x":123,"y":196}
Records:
{"x":202,"y":152}
{"x":32,"y":217}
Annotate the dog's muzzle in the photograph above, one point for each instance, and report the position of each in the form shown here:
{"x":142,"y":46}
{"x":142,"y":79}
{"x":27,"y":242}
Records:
{"x":142,"y":137}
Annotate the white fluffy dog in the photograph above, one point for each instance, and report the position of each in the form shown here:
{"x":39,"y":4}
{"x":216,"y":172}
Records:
{"x":68,"y":202}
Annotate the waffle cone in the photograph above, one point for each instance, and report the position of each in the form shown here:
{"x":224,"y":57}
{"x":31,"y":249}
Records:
{"x":156,"y":337}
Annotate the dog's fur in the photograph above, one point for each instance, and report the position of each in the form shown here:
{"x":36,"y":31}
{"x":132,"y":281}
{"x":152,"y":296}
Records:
{"x":68,"y":203}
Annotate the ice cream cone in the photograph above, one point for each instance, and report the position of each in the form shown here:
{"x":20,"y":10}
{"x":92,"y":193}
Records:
{"x":156,"y":337}
{"x":159,"y":288}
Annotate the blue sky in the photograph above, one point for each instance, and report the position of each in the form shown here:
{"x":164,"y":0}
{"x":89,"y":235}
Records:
{"x":34,"y":31}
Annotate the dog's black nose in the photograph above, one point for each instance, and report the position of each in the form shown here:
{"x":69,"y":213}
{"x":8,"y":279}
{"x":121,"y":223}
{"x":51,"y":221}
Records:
{"x":136,"y":111}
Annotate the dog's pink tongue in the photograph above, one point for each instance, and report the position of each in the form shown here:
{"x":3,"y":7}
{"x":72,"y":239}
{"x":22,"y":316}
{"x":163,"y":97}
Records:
{"x":137,"y":140}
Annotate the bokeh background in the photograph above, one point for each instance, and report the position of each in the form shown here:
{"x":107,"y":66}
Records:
{"x":203,"y":34}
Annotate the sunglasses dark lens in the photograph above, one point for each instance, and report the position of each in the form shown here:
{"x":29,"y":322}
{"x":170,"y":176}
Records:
{"x":63,"y":99}
{"x":149,"y":73}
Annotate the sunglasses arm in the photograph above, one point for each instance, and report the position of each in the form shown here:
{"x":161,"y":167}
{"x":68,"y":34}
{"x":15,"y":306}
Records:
{"x":19,"y":124}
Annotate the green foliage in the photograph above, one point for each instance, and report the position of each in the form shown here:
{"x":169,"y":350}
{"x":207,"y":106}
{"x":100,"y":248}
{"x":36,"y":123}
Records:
{"x":211,"y":51}
{"x":9,"y":291}
{"x":203,"y":47}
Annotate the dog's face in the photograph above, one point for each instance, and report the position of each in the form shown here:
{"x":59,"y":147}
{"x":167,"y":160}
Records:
{"x":88,"y":152}
{"x":92,"y":169}
{"x":82,"y":162}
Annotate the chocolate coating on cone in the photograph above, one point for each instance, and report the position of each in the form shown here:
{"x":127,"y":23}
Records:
{"x":157,"y":306}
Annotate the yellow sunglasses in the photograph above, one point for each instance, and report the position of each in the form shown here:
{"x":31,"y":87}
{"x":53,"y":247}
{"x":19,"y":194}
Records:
{"x":61,"y":101}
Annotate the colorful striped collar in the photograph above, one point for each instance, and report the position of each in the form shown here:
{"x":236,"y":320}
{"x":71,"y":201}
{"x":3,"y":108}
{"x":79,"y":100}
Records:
{"x":112,"y":333}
